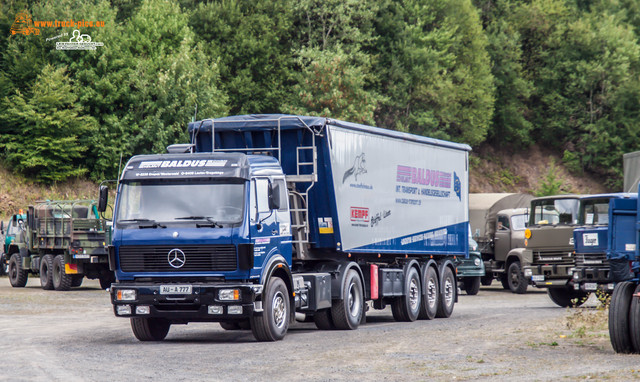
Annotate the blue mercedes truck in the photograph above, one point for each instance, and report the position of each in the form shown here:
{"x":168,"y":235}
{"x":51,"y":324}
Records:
{"x":263,"y":216}
{"x":624,"y":261}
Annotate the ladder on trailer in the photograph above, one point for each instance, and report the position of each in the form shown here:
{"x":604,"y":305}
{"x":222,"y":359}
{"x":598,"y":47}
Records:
{"x":306,"y":173}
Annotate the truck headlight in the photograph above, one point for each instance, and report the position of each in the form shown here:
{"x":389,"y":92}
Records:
{"x":528,"y":272}
{"x":123,"y":310}
{"x":476,"y":262}
{"x":126,"y":295}
{"x":229,"y":294}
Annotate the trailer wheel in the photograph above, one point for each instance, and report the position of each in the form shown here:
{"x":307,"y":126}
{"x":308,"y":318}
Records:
{"x":150,"y":329}
{"x":486,"y":280}
{"x":515,"y":278}
{"x":471,"y":285}
{"x":323,"y":320}
{"x":46,"y":272}
{"x":431,"y":300}
{"x":347,"y":313}
{"x":634,"y":321}
{"x":76,"y":280}
{"x":273,"y":323}
{"x":61,"y":280}
{"x":407,"y":307}
{"x":106,"y":280}
{"x":619,"y":314}
{"x":448,"y":295}
{"x":17,"y":275}
{"x":566,"y":297}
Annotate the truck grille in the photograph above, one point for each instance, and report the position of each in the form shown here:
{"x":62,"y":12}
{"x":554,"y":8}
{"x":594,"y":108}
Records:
{"x":591,"y":260}
{"x":197,"y":258}
{"x":541,"y":258}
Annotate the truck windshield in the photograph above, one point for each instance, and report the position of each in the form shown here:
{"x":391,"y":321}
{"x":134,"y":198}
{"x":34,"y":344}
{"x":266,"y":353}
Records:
{"x":518,"y":222}
{"x":559,"y":211}
{"x":180,"y":201}
{"x":594,"y":212}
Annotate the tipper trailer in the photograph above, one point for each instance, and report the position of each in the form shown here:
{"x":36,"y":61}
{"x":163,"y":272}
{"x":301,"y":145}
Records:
{"x":263,"y":216}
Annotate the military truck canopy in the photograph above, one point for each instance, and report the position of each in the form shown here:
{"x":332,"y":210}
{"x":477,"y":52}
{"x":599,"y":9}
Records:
{"x":483,"y":209}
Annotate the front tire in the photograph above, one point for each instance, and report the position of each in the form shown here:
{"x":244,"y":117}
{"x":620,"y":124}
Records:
{"x":46,"y":272}
{"x":619,"y":314}
{"x":515,"y":278}
{"x":407,"y":307}
{"x":61,"y":280}
{"x":486,"y":280}
{"x":347,"y":313}
{"x":323,"y":320}
{"x":17,"y":275}
{"x":431,"y":300}
{"x":566,"y":297}
{"x":273,"y":323}
{"x":150,"y":329}
{"x":448,"y":295}
{"x":106,"y":280}
{"x":471,"y":285}
{"x":4,"y":265}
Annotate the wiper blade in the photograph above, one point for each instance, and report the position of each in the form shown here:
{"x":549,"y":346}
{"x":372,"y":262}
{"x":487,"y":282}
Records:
{"x":153,"y":224}
{"x":212,"y":223}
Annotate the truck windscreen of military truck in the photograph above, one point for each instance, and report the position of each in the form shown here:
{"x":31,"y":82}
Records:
{"x":181,"y":200}
{"x":561,"y":211}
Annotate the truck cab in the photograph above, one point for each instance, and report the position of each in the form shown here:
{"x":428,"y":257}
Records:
{"x":8,"y":233}
{"x":550,"y":246}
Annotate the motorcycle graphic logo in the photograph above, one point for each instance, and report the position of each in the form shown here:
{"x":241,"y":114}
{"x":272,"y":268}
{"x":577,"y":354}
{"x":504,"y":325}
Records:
{"x":359,"y":167}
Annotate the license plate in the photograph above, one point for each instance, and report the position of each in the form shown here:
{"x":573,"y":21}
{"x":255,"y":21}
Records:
{"x":537,"y":278}
{"x":175,"y":289}
{"x":590,"y":286}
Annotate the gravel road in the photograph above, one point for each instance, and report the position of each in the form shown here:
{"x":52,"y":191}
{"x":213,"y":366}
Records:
{"x":495,"y":335}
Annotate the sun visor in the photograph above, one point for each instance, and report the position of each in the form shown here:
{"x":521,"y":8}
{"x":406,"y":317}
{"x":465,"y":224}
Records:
{"x":184,"y":166}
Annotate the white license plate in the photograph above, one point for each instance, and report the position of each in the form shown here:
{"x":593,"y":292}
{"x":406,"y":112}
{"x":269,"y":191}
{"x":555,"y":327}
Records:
{"x":175,"y":289}
{"x":537,"y":278}
{"x":590,"y":286}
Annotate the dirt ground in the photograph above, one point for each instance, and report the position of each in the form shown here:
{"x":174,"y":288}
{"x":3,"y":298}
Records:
{"x":495,"y":335}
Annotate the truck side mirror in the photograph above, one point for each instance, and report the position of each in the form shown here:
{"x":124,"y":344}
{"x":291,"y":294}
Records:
{"x":1,"y":227}
{"x":104,"y":198}
{"x":274,"y":196}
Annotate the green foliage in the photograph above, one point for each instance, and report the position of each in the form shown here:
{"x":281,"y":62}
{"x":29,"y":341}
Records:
{"x":550,"y":185}
{"x":44,"y":129}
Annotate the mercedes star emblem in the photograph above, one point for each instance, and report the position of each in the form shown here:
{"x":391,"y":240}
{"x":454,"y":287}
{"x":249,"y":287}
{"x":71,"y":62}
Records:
{"x":176,"y":258}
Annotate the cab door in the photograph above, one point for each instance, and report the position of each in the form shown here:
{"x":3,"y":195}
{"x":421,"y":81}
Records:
{"x":264,"y":225}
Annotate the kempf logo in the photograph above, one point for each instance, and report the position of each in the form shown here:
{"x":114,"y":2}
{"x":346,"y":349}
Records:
{"x":78,"y":42}
{"x":360,"y":214}
{"x":23,"y":24}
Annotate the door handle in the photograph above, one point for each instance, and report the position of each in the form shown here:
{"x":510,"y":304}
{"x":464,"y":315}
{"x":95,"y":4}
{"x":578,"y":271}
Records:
{"x":274,"y":232}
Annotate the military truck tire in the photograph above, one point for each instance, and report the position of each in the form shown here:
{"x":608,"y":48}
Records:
{"x":448,"y":294}
{"x":504,"y":280}
{"x":76,"y":280}
{"x":515,"y":279}
{"x":486,"y":280}
{"x":4,"y":265}
{"x":17,"y":275}
{"x":107,"y":280}
{"x":634,"y":321}
{"x":150,"y":329}
{"x":407,"y":307}
{"x":431,"y":296}
{"x":273,"y":323}
{"x":347,"y":313}
{"x":61,"y":280}
{"x":323,"y":320}
{"x":566,"y":297}
{"x":619,"y":328}
{"x":46,"y":272}
{"x":471,"y":285}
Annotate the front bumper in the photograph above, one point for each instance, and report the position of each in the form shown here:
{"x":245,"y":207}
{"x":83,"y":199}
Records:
{"x":548,"y":275}
{"x":590,"y":279}
{"x":467,"y":267}
{"x":202,"y":304}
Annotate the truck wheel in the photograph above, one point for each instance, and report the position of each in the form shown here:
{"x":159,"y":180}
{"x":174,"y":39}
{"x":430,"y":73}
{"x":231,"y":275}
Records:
{"x":431,"y":300}
{"x":273,"y":323}
{"x":150,"y":329}
{"x":17,"y":275}
{"x":619,"y":328}
{"x":407,"y":307}
{"x":634,"y":321}
{"x":229,"y":325}
{"x":4,"y":265}
{"x":106,"y":280}
{"x":46,"y":272}
{"x":486,"y":280}
{"x":566,"y":297}
{"x":347,"y":313}
{"x":61,"y":280}
{"x":471,"y":285}
{"x":323,"y":320}
{"x":448,"y":295}
{"x":76,"y":280}
{"x":515,"y":279}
